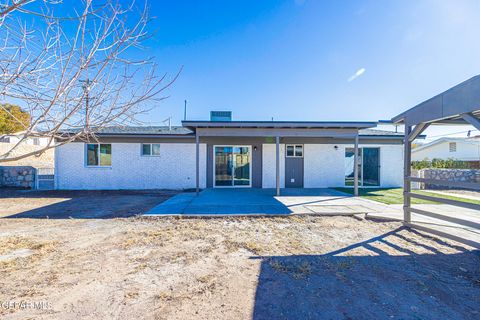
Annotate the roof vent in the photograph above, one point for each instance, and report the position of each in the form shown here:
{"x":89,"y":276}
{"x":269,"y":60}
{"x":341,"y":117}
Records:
{"x":220,"y":115}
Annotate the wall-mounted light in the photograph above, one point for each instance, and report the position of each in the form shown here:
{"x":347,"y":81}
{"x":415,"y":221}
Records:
{"x":336,"y":147}
{"x":254,"y":148}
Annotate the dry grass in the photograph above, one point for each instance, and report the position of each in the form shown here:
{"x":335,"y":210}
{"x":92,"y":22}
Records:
{"x":21,"y":252}
{"x":180,"y":268}
{"x":299,"y":270}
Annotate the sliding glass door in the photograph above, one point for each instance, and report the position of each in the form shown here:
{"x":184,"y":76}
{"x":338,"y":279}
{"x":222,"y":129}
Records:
{"x":368,"y":167}
{"x":232,"y":166}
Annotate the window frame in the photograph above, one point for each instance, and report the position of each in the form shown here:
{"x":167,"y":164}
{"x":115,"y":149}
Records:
{"x":301,"y":146}
{"x":98,"y":155}
{"x":151,"y":150}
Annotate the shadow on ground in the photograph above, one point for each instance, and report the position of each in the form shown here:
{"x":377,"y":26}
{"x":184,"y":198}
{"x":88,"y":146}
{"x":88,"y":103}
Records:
{"x":67,"y":204}
{"x":347,"y":284}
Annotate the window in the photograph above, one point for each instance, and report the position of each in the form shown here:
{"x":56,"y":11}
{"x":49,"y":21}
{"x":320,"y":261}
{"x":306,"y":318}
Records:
{"x":5,"y":139}
{"x":295,"y":150}
{"x":452,"y":146}
{"x":36,"y":141}
{"x":99,"y":155}
{"x":150,"y":149}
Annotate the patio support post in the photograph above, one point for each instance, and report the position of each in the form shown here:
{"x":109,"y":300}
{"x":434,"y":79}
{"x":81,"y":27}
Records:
{"x":355,"y":168}
{"x":277,"y":167}
{"x":197,"y":163}
{"x":407,"y":169}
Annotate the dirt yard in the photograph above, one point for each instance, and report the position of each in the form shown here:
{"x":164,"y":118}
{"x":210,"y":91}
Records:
{"x":17,"y":203}
{"x":225,"y":268}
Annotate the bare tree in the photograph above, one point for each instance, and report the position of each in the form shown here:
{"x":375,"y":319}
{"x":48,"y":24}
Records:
{"x":75,"y":74}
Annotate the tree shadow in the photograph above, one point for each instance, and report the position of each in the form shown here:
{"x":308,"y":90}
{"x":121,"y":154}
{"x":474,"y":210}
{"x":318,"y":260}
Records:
{"x":364,"y":281}
{"x":79,"y":204}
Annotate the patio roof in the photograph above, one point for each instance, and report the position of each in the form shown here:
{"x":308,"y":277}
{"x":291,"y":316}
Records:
{"x":457,"y":105}
{"x":193,"y":124}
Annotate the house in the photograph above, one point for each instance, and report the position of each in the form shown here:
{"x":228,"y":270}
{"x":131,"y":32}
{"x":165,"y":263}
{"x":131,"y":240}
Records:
{"x":221,"y":153}
{"x":34,"y":140}
{"x":30,"y":144}
{"x":465,"y":149}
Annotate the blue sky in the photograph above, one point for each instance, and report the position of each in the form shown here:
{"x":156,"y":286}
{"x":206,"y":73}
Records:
{"x":292,"y":60}
{"x":311,"y":60}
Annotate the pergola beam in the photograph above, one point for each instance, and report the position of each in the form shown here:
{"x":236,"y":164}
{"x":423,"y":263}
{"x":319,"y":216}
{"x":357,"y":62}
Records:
{"x":470,"y":118}
{"x":419,"y":128}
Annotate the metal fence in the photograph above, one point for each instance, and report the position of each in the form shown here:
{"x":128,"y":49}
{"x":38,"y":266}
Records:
{"x":45,"y":179}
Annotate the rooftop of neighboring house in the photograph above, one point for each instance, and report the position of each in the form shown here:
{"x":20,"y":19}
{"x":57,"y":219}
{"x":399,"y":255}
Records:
{"x":472,"y":140}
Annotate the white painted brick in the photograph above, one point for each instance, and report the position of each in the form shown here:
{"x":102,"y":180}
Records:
{"x":173,"y":169}
{"x":323,"y":166}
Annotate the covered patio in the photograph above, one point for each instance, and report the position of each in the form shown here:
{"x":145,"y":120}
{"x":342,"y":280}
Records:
{"x":243,"y":135}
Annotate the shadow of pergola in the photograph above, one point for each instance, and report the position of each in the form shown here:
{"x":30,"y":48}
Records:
{"x":402,"y":274}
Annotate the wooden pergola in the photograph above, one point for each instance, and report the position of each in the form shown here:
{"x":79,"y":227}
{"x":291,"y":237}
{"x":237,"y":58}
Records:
{"x":459,"y":105}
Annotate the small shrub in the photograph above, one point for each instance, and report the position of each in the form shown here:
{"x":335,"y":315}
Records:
{"x":442,"y":164}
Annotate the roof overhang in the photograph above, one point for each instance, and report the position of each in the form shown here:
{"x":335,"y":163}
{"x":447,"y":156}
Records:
{"x":448,"y":107}
{"x":330,"y":129}
{"x":191,"y":124}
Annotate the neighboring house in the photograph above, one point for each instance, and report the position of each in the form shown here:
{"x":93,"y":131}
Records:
{"x":31,"y":141}
{"x":231,"y":154}
{"x":465,"y":149}
{"x":28,"y":145}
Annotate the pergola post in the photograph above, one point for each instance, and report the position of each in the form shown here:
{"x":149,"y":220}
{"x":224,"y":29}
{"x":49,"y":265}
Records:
{"x":355,"y":168}
{"x":277,"y":165}
{"x":197,"y":163}
{"x":407,"y":170}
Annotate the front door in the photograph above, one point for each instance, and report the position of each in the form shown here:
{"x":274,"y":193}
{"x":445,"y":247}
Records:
{"x":294,"y":166}
{"x":232,"y":166}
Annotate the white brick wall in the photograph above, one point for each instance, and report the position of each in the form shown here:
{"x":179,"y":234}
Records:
{"x":173,"y":169}
{"x":325,"y":167}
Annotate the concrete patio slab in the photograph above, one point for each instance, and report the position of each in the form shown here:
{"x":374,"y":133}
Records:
{"x":217,"y":202}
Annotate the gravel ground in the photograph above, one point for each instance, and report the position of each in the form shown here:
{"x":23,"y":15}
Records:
{"x":231,"y":268}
